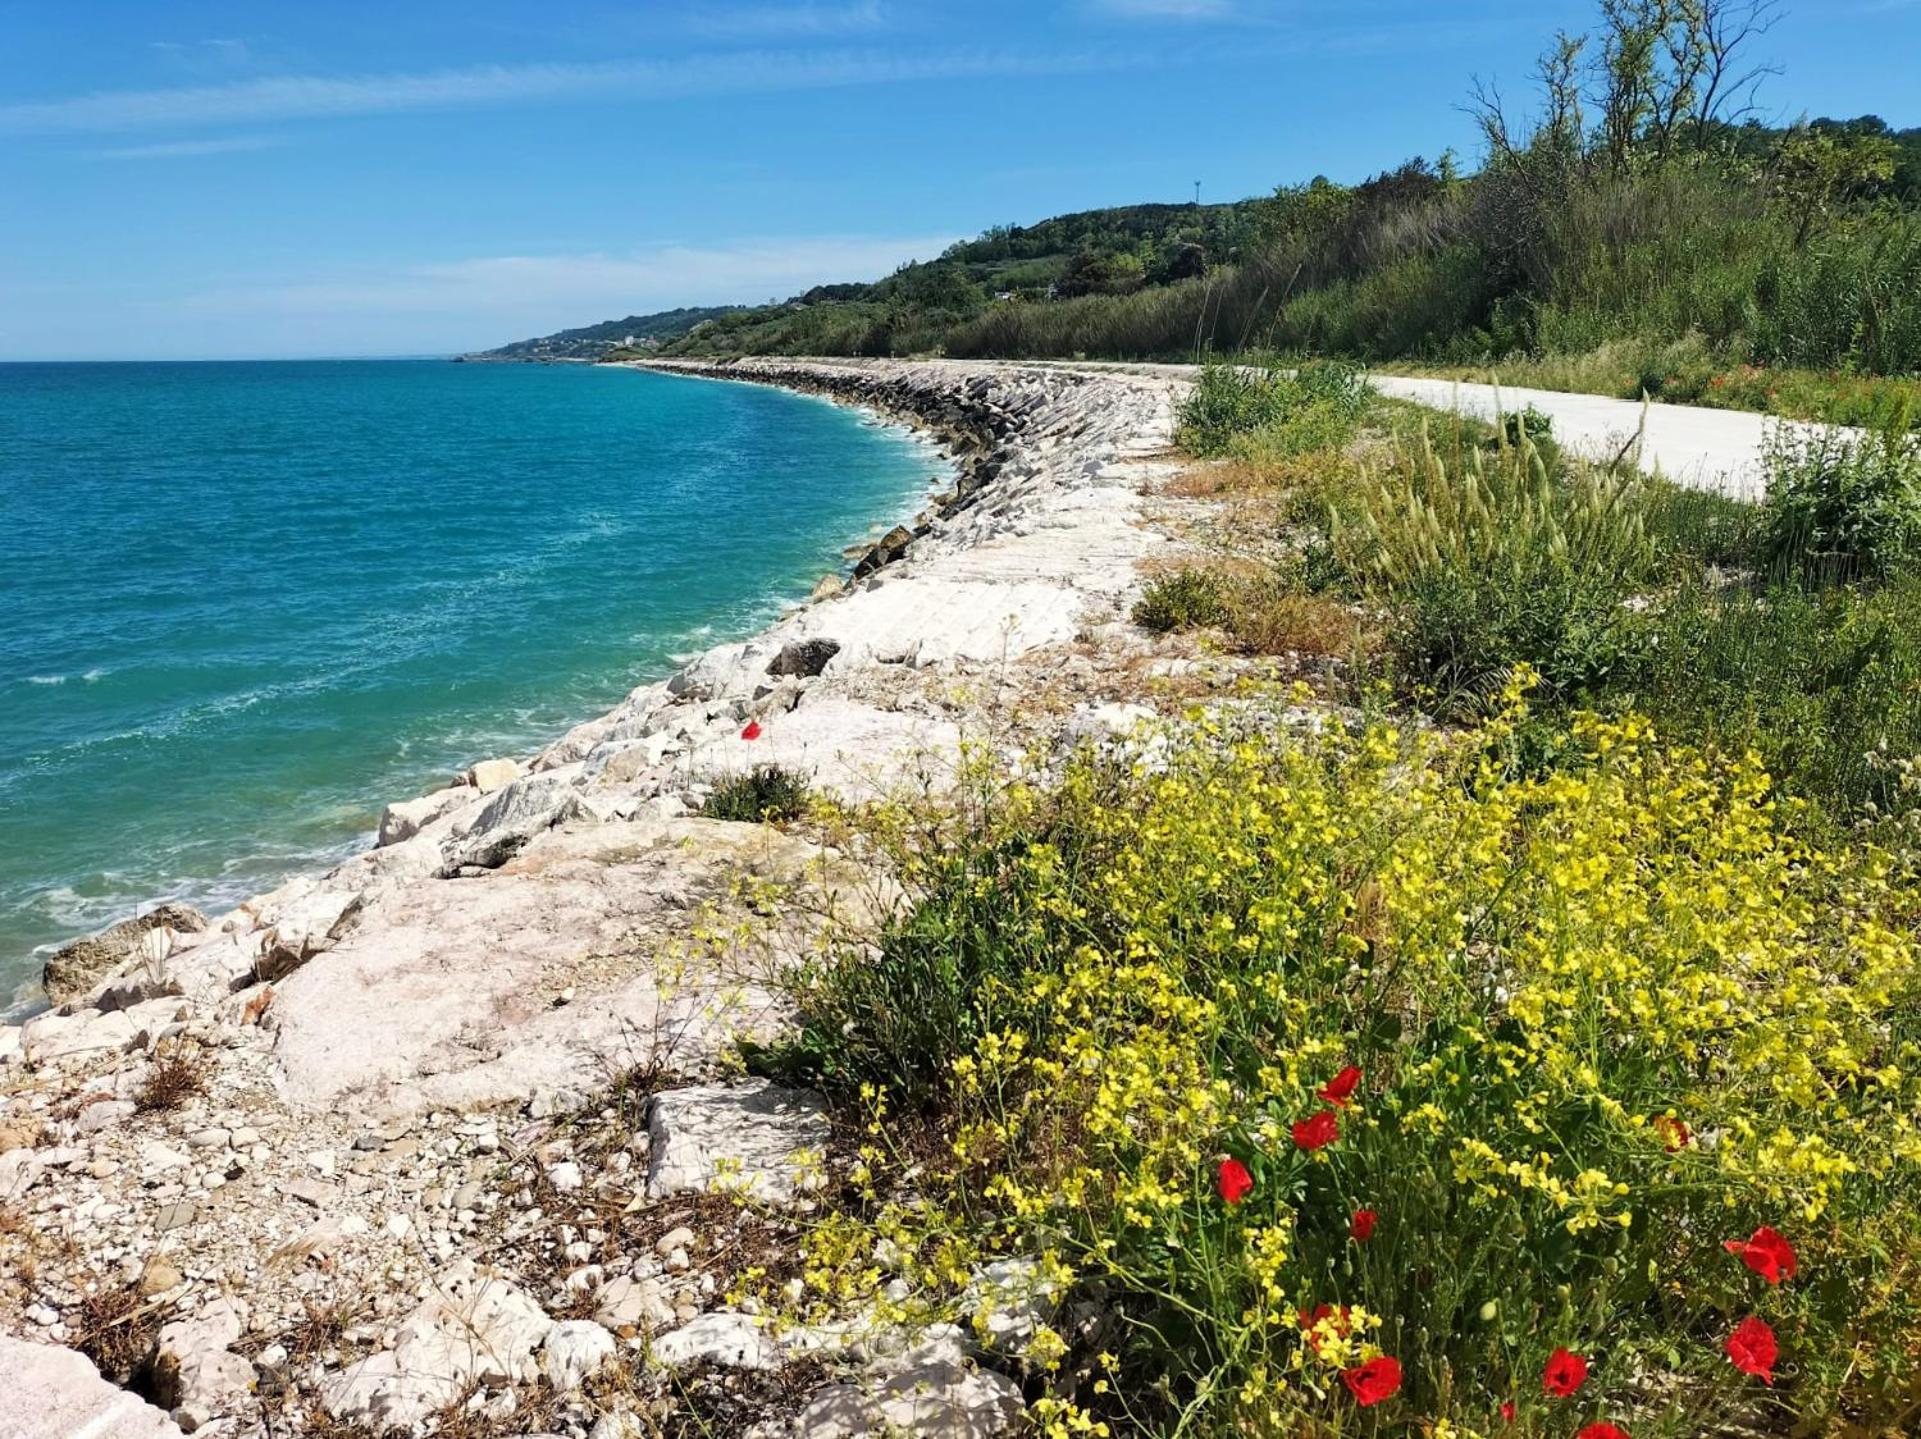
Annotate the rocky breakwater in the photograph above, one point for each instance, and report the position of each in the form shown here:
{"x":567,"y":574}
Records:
{"x":439,"y":1131}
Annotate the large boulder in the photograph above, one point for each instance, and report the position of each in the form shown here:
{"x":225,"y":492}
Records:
{"x":804,"y":658}
{"x":492,"y":774}
{"x":308,"y":925}
{"x":51,"y":1393}
{"x":406,"y":818}
{"x":78,"y":967}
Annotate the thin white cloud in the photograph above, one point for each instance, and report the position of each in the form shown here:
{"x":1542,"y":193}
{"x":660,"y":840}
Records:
{"x":307,"y":97}
{"x":190,"y":149}
{"x":561,"y":290}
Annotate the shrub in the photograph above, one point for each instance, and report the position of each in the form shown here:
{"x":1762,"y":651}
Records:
{"x":1562,"y":1035}
{"x":1529,"y":425}
{"x":1254,"y":414}
{"x":1187,"y":599}
{"x":1824,"y":685}
{"x":1483,"y":562}
{"x":765,"y":793}
{"x":1841,"y":508}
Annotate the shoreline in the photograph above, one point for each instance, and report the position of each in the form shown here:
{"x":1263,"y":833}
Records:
{"x":389,"y":1057}
{"x":27,"y":999}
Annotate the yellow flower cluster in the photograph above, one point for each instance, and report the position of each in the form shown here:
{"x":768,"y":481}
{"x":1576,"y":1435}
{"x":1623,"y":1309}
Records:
{"x":1609,"y":1013}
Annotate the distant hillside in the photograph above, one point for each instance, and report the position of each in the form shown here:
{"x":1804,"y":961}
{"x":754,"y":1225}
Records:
{"x":1109,"y":252}
{"x":592,"y":342}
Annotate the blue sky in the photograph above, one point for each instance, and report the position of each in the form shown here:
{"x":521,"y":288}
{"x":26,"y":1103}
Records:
{"x":203,"y":178}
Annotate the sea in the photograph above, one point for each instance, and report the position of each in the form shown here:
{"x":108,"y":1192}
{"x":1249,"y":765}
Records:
{"x":243,"y":605}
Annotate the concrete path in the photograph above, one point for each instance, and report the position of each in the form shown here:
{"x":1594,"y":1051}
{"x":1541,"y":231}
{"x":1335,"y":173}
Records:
{"x":1721,"y":450}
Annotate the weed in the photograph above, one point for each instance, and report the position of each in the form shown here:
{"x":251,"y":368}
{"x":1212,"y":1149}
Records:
{"x":116,"y":1329}
{"x":765,"y":794}
{"x":172,"y":1079}
{"x":1841,"y":508}
{"x":1190,"y":598}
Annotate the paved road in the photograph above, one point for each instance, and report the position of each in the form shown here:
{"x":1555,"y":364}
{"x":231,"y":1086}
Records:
{"x":1705,"y":449}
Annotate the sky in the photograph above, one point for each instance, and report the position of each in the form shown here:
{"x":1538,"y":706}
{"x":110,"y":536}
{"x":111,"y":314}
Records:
{"x":279,"y":178}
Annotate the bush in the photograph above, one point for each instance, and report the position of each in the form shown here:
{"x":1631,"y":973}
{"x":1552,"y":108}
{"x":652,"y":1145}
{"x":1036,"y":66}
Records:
{"x":1254,"y":414}
{"x":1824,"y":685}
{"x":1184,"y":600}
{"x":1560,"y":1036}
{"x":1483,"y":562}
{"x":1841,"y":508}
{"x":766,"y":793}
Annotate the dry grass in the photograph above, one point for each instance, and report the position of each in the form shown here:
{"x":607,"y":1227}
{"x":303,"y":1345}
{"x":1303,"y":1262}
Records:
{"x":116,"y":1329}
{"x":172,"y":1079}
{"x":1272,"y":620}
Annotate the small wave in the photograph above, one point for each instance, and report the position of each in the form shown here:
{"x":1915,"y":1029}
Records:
{"x":46,"y":679}
{"x":94,"y":676}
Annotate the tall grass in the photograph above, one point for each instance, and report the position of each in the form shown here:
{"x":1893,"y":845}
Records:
{"x":1496,"y":559}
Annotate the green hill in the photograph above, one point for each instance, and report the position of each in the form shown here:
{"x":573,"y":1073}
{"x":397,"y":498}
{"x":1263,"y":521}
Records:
{"x":592,"y":342}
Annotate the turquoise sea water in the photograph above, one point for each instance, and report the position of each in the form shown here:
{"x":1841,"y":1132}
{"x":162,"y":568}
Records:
{"x":243,"y":605}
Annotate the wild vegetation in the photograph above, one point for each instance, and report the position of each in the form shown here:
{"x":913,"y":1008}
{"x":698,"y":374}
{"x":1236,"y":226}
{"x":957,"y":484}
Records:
{"x":1643,"y":233}
{"x":1549,"y":1070}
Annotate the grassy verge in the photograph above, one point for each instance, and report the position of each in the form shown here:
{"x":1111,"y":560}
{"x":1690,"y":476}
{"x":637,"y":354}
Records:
{"x":1550,"y":1070}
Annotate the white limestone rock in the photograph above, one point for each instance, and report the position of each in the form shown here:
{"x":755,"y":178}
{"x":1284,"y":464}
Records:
{"x":473,"y":1331}
{"x":574,"y":1352}
{"x":755,"y":1139}
{"x":723,"y":1338}
{"x":406,"y":818}
{"x":938,"y":1400}
{"x":193,"y":1366}
{"x":631,"y":1304}
{"x":492,"y":774}
{"x":1008,"y":1301}
{"x":47,"y":1392}
{"x":310,"y":924}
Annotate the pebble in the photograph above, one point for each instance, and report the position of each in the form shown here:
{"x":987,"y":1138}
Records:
{"x":173,"y":1216}
{"x":208,"y":1139}
{"x":565,"y":1176}
{"x":674,"y":1239}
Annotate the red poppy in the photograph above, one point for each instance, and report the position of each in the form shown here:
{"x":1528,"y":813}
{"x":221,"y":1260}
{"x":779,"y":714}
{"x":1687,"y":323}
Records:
{"x":1602,"y":1431}
{"x":1752,"y":1349}
{"x":1766,"y":1253}
{"x":1507,"y":1412}
{"x":1338,"y":1314}
{"x":1361,"y":1226}
{"x":752,"y":731}
{"x":1674,"y":1133}
{"x":1373,"y":1381}
{"x":1323,"y":1129}
{"x":1234,"y":1182}
{"x":1564,"y":1374}
{"x":1341,"y":1087}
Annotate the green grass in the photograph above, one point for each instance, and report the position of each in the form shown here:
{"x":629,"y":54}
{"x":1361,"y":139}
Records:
{"x":766,"y":792}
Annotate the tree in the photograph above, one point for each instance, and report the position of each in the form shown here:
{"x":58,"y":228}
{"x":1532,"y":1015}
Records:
{"x":1815,"y":170}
